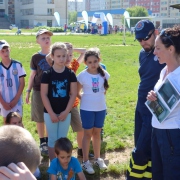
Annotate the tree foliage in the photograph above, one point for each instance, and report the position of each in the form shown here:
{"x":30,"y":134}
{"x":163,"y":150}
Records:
{"x":136,"y":11}
{"x":72,"y":17}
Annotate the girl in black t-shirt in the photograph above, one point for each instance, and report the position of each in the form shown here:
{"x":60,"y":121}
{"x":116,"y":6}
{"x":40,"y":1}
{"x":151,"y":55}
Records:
{"x":58,"y":92}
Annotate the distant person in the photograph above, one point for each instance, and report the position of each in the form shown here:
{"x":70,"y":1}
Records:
{"x":65,"y":27}
{"x":65,"y":166}
{"x":18,"y":145}
{"x":58,"y":93}
{"x":159,"y":29}
{"x":12,"y":82}
{"x":39,"y":64}
{"x":149,"y":71}
{"x":18,"y":32}
{"x":165,"y":135}
{"x":93,"y":82}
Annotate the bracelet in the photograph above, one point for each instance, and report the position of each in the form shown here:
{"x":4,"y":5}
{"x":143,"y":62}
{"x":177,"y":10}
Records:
{"x":28,"y":90}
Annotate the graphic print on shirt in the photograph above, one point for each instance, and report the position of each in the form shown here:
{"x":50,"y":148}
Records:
{"x":44,"y":66}
{"x":59,"y":88}
{"x":95,"y":85}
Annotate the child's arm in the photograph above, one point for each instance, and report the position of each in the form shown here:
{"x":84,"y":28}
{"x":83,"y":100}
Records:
{"x":79,"y":87}
{"x":81,"y":51}
{"x":53,"y":177}
{"x":19,"y":93}
{"x":30,"y":84}
{"x":47,"y":105}
{"x":73,"y":94}
{"x":49,"y":59}
{"x":81,"y":176}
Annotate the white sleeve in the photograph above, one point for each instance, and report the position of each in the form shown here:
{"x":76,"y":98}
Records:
{"x":107,"y":75}
{"x":21,"y":70}
{"x":79,"y":78}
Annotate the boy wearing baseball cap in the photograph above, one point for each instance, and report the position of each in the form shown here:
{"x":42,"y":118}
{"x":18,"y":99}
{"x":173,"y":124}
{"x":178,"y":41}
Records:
{"x":39,"y":64}
{"x":11,"y":82}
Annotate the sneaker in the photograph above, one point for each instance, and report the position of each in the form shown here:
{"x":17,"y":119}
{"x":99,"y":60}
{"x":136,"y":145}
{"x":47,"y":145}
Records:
{"x":100,"y":163}
{"x":44,"y":149}
{"x":87,"y":166}
{"x":80,"y":154}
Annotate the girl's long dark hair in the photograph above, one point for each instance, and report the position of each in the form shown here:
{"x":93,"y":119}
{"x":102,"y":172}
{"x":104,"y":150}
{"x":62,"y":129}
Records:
{"x":100,"y":69}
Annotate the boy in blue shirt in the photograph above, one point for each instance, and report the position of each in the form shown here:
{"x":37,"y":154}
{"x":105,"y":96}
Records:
{"x":64,"y":166}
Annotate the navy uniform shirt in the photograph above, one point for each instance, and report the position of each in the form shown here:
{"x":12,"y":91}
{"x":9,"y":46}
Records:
{"x":149,"y":72}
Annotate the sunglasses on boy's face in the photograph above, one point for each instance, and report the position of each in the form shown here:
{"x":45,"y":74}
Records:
{"x":146,"y":38}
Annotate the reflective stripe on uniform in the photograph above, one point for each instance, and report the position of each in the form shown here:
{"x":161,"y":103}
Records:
{"x":138,"y":171}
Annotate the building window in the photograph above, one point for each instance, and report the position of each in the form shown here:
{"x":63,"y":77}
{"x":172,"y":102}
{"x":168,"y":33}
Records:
{"x":25,"y":23}
{"x":49,"y":23}
{"x":50,"y":11}
{"x":26,"y":12}
{"x":1,"y":1}
{"x":27,"y":2}
{"x":50,"y":1}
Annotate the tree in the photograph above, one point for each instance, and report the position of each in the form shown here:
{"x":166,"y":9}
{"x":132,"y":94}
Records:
{"x":72,"y":17}
{"x":136,"y":11}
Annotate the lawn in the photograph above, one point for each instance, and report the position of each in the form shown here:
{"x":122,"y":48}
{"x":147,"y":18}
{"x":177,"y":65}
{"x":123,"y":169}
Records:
{"x":122,"y":64}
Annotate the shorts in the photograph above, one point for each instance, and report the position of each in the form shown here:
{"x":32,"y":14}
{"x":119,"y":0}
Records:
{"x":17,"y":108}
{"x":56,"y":130}
{"x":91,"y":119}
{"x":37,"y":107}
{"x":76,"y":123}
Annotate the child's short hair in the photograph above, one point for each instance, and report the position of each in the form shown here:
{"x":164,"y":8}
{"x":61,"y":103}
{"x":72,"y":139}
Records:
{"x":63,"y":144}
{"x":11,"y":115}
{"x":57,"y":45}
{"x":18,"y":145}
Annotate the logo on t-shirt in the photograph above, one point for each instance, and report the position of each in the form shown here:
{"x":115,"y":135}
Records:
{"x":14,"y":71}
{"x":59,"y":88}
{"x":44,"y":66}
{"x":95,"y":85}
{"x":155,"y":58}
{"x":2,"y":75}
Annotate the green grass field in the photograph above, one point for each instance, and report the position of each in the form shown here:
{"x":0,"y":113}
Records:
{"x":122,"y":64}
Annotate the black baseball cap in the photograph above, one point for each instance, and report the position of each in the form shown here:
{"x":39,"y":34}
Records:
{"x":142,"y":28}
